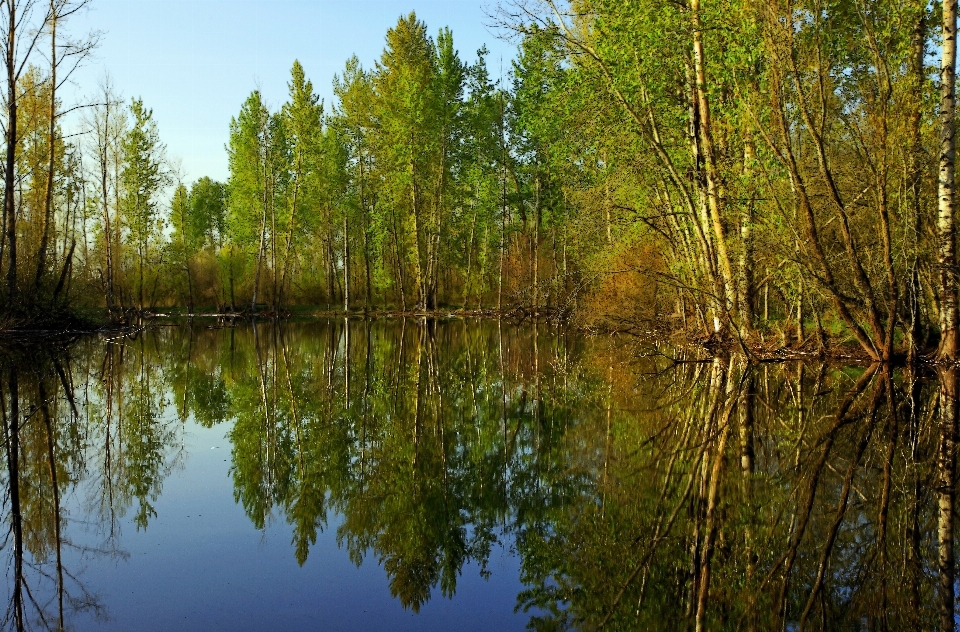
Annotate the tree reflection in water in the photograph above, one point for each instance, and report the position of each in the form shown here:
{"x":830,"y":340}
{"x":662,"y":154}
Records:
{"x":640,"y":491}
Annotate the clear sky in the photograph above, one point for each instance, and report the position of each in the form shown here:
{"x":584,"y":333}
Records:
{"x":195,"y":61}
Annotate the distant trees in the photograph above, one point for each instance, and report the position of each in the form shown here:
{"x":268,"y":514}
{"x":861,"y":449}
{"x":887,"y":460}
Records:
{"x":197,"y":228}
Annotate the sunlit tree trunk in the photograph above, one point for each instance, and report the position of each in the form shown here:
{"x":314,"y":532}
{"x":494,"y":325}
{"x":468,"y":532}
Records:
{"x":118,"y":267}
{"x":946,"y":248}
{"x":747,"y":293}
{"x":297,"y":177}
{"x":399,"y":252}
{"x":366,"y":228}
{"x":470,"y":240}
{"x":418,"y":238}
{"x":712,"y":172}
{"x":271,"y":200}
{"x":346,"y":262}
{"x":535,"y":250}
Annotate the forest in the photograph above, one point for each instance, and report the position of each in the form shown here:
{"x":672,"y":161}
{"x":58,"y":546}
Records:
{"x":752,"y":175}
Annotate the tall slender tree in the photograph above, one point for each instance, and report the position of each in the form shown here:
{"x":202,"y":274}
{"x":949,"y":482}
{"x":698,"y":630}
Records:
{"x":404,"y":84}
{"x":142,"y":177}
{"x":946,"y":184}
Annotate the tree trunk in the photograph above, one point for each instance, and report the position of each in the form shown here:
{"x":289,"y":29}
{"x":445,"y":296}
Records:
{"x":233,"y":298}
{"x":503,"y":204}
{"x":117,"y":224}
{"x":726,"y":280}
{"x":330,"y":265}
{"x":66,"y":273}
{"x":107,"y":232}
{"x":747,"y":293}
{"x":293,"y":219}
{"x":915,"y":175}
{"x":466,"y":282}
{"x":263,"y":242}
{"x":9,"y":189}
{"x":141,"y":257}
{"x":399,"y":261}
{"x":366,"y":239}
{"x":273,"y":232}
{"x":946,"y":252}
{"x":189,"y":286}
{"x":51,"y":149}
{"x":346,"y":262}
{"x":418,"y":269}
{"x":536,"y":250}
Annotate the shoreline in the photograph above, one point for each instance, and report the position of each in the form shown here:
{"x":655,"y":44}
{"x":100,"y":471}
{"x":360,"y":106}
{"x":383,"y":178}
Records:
{"x":761,"y":349}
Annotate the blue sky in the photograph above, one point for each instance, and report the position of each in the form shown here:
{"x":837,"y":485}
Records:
{"x":195,"y":61}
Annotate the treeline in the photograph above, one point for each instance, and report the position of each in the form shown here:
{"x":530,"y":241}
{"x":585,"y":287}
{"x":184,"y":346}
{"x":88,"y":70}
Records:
{"x":421,"y":186}
{"x":755,"y":174}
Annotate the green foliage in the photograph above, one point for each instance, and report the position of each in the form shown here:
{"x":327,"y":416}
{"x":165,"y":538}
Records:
{"x":143,"y":175}
{"x":727,"y":168}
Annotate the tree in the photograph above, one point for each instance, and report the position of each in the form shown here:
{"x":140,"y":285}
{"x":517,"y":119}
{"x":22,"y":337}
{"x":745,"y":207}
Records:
{"x":448,"y":86}
{"x":355,"y":119}
{"x":406,"y":147}
{"x":109,"y":126}
{"x":302,"y":118}
{"x":479,"y":163}
{"x":249,"y":196}
{"x":142,"y":178}
{"x":183,"y":240}
{"x":946,"y":195}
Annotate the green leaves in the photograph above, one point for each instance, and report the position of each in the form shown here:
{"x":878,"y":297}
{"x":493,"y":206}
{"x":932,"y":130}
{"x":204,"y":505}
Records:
{"x":144,"y":173}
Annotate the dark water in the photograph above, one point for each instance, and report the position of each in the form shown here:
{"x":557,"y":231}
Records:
{"x":465,"y":475}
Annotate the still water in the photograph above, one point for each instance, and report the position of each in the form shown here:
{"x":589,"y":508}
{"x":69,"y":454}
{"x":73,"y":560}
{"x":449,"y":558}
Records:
{"x":466,"y":475}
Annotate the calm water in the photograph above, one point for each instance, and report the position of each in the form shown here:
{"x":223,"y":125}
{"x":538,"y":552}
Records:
{"x":465,"y":475}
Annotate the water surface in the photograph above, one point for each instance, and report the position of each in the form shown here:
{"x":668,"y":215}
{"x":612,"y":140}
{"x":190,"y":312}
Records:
{"x":467,"y":475}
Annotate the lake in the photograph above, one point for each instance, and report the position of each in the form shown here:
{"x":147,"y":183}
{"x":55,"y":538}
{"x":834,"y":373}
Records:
{"x":413,"y":474}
